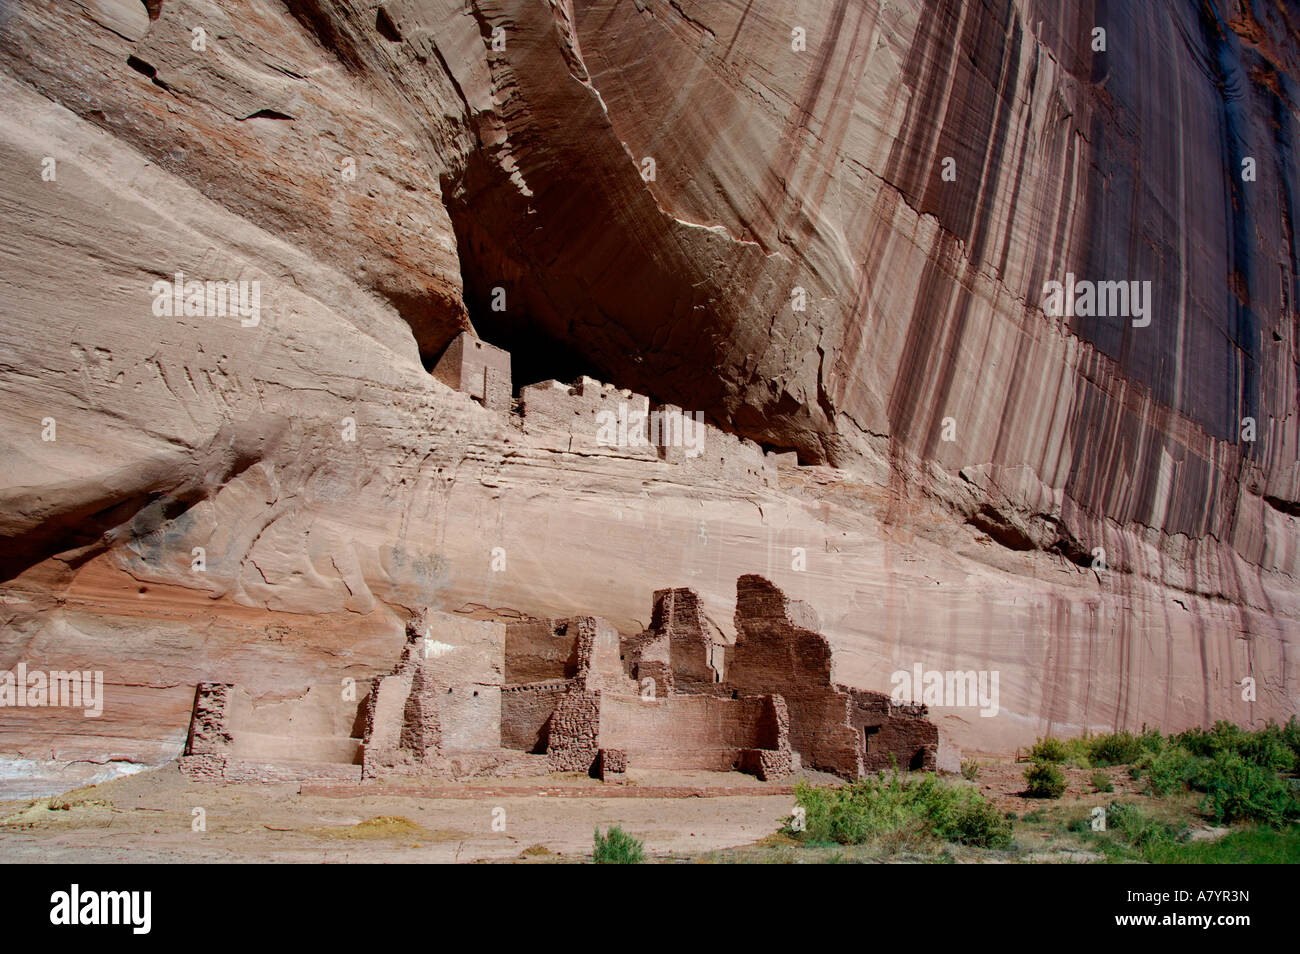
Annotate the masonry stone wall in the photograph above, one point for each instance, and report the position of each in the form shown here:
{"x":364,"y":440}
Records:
{"x":893,"y":735}
{"x":835,"y":728}
{"x":574,"y":732}
{"x":232,"y":737}
{"x":485,"y":697}
{"x":479,"y":369}
{"x":442,"y":699}
{"x":536,"y":652}
{"x":526,"y":713}
{"x":688,"y":731}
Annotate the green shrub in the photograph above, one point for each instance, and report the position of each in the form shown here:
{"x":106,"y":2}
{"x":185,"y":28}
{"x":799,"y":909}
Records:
{"x":617,"y":847}
{"x":1137,"y":827}
{"x":853,"y":814}
{"x":1151,"y":740}
{"x":1101,"y":782}
{"x":1291,"y":736}
{"x":970,"y":771}
{"x":1049,"y":750}
{"x":1045,"y":780}
{"x":1170,"y":770}
{"x":1270,"y":747}
{"x":967,"y":818}
{"x":1119,"y":748}
{"x":1238,"y":790}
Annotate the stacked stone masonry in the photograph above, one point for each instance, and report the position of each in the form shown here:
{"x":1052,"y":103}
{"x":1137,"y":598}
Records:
{"x":570,"y":415}
{"x":534,"y":696}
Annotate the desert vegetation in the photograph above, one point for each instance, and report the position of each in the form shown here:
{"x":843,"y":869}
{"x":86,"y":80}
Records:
{"x":1208,"y":796}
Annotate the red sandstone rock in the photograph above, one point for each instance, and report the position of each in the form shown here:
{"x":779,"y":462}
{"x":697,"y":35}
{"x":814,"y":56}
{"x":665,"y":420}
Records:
{"x":775,"y":170}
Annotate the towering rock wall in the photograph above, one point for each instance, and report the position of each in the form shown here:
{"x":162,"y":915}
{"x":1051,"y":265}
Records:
{"x":388,"y":173}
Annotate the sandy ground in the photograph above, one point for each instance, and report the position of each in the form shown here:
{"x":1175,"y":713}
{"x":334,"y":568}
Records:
{"x":150,"y":817}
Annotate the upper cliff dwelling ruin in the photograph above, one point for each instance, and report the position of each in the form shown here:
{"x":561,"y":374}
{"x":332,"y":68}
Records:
{"x":534,"y":696}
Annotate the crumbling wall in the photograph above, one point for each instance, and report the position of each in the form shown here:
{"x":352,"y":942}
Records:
{"x":208,"y":734}
{"x":470,"y":716}
{"x":526,"y":713}
{"x":772,"y":756}
{"x":230,"y":737}
{"x":893,"y":735}
{"x":835,"y":728}
{"x":681,"y":651}
{"x":691,"y":731}
{"x":442,"y":698}
{"x":573,"y":412}
{"x":569,"y":415}
{"x":600,"y":664}
{"x":564,"y":665}
{"x":537,"y":651}
{"x":692,"y":639}
{"x":581,"y":648}
{"x":448,"y":706}
{"x":574,"y":731}
{"x":779,"y":651}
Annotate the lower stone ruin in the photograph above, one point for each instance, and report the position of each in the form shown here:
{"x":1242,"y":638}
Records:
{"x":530,"y":697}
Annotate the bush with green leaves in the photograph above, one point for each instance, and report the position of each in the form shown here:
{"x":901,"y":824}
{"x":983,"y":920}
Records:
{"x":1169,"y":770}
{"x":1101,"y":782}
{"x":1049,"y":750}
{"x":924,"y":806}
{"x":1045,"y":780}
{"x":1270,"y":747}
{"x":1118,"y":748}
{"x":1137,"y":827}
{"x":617,"y":847}
{"x":1291,"y":736}
{"x":970,"y":771}
{"x":1238,"y":790}
{"x":1151,"y":740}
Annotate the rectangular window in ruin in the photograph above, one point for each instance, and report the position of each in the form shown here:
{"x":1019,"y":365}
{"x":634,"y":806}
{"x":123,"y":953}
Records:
{"x":867,"y":732}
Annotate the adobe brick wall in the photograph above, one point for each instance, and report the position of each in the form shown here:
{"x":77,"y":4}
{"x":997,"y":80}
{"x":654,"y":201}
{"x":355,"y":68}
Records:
{"x":208,"y":734}
{"x":526,"y":713}
{"x":479,"y":369}
{"x":536,"y":652}
{"x":316,"y":727}
{"x":778,"y":650}
{"x":773,"y":654}
{"x":691,"y":731}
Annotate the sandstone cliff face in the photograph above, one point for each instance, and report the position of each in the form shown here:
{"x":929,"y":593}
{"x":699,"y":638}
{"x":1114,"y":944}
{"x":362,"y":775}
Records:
{"x":383,"y":169}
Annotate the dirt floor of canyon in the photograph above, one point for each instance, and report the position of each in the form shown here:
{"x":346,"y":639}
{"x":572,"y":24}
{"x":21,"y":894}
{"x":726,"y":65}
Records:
{"x":680,"y":816}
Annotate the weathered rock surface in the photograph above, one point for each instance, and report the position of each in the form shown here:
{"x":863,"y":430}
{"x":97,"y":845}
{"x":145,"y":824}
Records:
{"x":381,"y":169}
